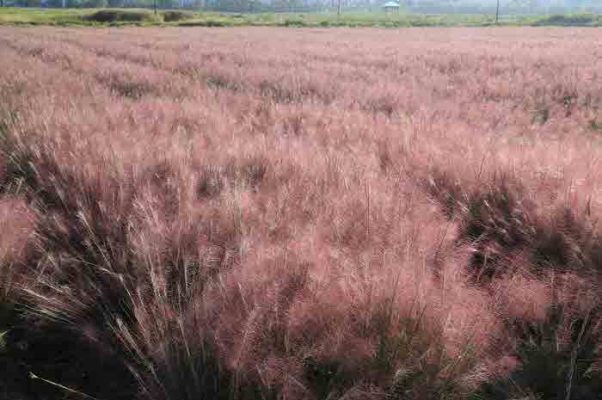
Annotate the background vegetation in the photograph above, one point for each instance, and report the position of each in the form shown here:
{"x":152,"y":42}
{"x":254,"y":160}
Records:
{"x":96,"y":17}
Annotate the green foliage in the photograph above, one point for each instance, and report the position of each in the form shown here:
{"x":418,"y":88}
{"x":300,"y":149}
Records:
{"x":177,"y":15}
{"x":6,"y":317}
{"x":2,"y":341}
{"x":112,"y":16}
{"x":570,"y":20}
{"x":325,"y":377}
{"x":36,"y":16}
{"x":549,"y":367}
{"x":294,"y":22}
{"x":205,"y":22}
{"x":74,"y":16}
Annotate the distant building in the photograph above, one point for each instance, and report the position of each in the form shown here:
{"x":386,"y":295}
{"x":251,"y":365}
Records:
{"x":391,"y":6}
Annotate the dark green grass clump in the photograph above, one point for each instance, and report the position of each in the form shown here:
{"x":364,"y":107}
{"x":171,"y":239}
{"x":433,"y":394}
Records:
{"x":570,"y":20}
{"x":177,"y":15}
{"x":112,"y":16}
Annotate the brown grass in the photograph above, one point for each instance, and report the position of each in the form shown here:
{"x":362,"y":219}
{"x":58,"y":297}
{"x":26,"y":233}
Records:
{"x":307,"y":214}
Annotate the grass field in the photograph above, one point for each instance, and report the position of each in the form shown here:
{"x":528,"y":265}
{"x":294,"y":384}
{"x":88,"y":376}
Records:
{"x":121,"y":17}
{"x":270,"y":213}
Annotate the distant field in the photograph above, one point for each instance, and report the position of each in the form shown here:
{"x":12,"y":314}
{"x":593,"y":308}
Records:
{"x":121,"y":17}
{"x":269,"y":213}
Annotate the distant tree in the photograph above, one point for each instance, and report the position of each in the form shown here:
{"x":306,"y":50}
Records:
{"x":76,"y":3}
{"x":530,"y":5}
{"x":287,"y":4}
{"x":93,"y":3}
{"x":169,"y":3}
{"x":232,"y":5}
{"x":31,"y":3}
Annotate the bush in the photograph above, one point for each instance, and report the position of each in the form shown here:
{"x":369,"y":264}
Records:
{"x":569,"y":20}
{"x":173,"y":15}
{"x":209,"y":23}
{"x":294,"y":22}
{"x":109,"y":16}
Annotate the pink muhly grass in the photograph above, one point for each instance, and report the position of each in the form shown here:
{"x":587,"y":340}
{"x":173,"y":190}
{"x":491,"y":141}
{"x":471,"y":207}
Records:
{"x":366,"y":214}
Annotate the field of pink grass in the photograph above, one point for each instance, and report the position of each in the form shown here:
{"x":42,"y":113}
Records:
{"x":261,"y":213}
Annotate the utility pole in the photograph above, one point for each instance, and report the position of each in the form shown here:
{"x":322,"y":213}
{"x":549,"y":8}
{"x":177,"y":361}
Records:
{"x":497,"y":12}
{"x":339,"y":9}
{"x":155,"y":6}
